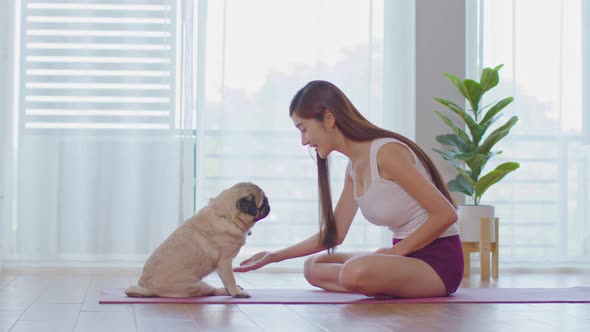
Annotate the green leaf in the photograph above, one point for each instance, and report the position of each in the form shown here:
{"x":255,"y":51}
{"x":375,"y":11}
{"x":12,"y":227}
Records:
{"x":490,"y":78}
{"x":477,"y":133}
{"x":494,"y":176}
{"x":460,"y":132}
{"x":457,"y":83}
{"x":484,"y":107}
{"x":459,"y":184}
{"x":473,"y":126}
{"x":495,"y":110}
{"x":485,"y":127}
{"x":467,"y":175}
{"x":474,"y":94}
{"x":496,"y":135}
{"x":476,"y":163}
{"x":498,"y":67}
{"x":454,"y":107}
{"x":452,"y":140}
{"x":449,"y":156}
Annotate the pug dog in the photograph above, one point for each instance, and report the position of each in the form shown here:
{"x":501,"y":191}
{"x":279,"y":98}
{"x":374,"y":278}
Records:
{"x":206,"y":242}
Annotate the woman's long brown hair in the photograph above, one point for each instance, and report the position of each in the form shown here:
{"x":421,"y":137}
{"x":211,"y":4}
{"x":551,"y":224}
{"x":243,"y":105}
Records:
{"x":310,"y":103}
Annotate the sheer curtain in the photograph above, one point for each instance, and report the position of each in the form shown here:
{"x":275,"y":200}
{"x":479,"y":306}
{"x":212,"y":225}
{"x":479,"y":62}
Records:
{"x":543,"y":206}
{"x":130,"y":115}
{"x":101,"y":160}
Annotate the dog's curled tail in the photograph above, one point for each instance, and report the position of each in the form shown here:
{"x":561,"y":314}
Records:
{"x":138,"y":291}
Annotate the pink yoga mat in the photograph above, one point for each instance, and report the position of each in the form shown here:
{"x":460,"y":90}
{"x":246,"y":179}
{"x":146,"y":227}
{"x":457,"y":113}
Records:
{"x":307,"y":296}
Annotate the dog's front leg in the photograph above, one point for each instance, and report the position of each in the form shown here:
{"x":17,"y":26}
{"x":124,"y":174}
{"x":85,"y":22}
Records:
{"x":224,"y":270}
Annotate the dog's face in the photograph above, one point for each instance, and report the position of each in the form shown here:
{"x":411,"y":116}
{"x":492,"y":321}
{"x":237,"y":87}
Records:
{"x":252,"y":200}
{"x":247,"y":199}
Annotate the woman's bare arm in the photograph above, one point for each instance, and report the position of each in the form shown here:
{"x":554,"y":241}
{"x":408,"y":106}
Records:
{"x":343,"y":214}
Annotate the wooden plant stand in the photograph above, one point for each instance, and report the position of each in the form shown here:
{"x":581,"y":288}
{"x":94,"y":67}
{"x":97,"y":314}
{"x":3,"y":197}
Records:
{"x":484,"y":247}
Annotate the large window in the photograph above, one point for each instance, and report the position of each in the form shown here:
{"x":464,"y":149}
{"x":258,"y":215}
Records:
{"x":544,"y":47}
{"x":129,"y":115}
{"x":254,"y":64}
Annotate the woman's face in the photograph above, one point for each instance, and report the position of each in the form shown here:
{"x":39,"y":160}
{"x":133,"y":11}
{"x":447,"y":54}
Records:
{"x":314,"y":134}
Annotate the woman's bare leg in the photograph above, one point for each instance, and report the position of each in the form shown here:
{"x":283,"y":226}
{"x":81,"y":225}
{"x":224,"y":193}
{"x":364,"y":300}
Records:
{"x":377,"y":274}
{"x":374,"y":274}
{"x":323,"y":270}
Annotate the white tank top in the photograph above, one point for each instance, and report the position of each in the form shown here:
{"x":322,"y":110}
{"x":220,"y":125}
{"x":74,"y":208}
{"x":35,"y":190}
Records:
{"x":386,"y":203}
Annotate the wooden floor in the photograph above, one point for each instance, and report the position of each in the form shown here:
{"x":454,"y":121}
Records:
{"x":66,"y":299}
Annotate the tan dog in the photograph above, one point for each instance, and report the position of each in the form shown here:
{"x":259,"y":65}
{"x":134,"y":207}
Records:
{"x":206,"y":242}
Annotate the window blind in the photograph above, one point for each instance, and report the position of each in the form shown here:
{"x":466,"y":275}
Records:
{"x":98,"y":64}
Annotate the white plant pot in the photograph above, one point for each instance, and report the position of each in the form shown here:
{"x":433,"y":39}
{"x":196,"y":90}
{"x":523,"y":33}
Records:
{"x":470,"y":220}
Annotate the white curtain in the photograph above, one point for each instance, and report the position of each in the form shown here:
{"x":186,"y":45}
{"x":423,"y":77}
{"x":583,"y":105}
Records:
{"x":119,"y":136}
{"x":101,"y":162}
{"x":544,"y":47}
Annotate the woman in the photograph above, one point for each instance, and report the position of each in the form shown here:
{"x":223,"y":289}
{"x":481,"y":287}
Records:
{"x":395,"y":184}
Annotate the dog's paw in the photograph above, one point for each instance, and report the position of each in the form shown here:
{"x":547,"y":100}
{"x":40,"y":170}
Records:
{"x":241,"y":295}
{"x":219,"y":292}
{"x":137,"y":291}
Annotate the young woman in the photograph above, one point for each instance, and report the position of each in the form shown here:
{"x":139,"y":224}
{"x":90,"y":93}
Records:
{"x":395,"y":184}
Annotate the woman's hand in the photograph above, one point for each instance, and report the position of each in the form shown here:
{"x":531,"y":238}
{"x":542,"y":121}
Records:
{"x":255,"y":262}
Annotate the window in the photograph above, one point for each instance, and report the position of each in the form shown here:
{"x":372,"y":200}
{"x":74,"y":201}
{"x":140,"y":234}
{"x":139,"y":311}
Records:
{"x":543,"y":206}
{"x":253,"y":66}
{"x":132,"y":114}
{"x":97,"y":65}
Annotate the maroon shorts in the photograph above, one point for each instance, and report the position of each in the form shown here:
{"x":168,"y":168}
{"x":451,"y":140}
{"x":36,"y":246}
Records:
{"x":445,"y":256}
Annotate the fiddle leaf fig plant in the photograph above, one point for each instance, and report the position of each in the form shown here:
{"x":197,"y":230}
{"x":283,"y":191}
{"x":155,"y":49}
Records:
{"x":469,"y":146}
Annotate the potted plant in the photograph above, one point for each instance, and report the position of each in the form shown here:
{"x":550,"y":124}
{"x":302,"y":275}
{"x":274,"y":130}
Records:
{"x":470,"y":148}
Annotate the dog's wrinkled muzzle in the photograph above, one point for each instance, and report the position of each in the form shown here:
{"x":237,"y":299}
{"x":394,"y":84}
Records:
{"x":264,"y":209}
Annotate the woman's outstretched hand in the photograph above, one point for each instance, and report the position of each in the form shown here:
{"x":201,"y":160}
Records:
{"x":255,"y":262}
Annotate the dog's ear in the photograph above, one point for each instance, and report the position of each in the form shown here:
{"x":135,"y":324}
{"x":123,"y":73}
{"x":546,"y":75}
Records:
{"x":248,"y":205}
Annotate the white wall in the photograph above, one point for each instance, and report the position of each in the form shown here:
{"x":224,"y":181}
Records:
{"x":440,"y":47}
